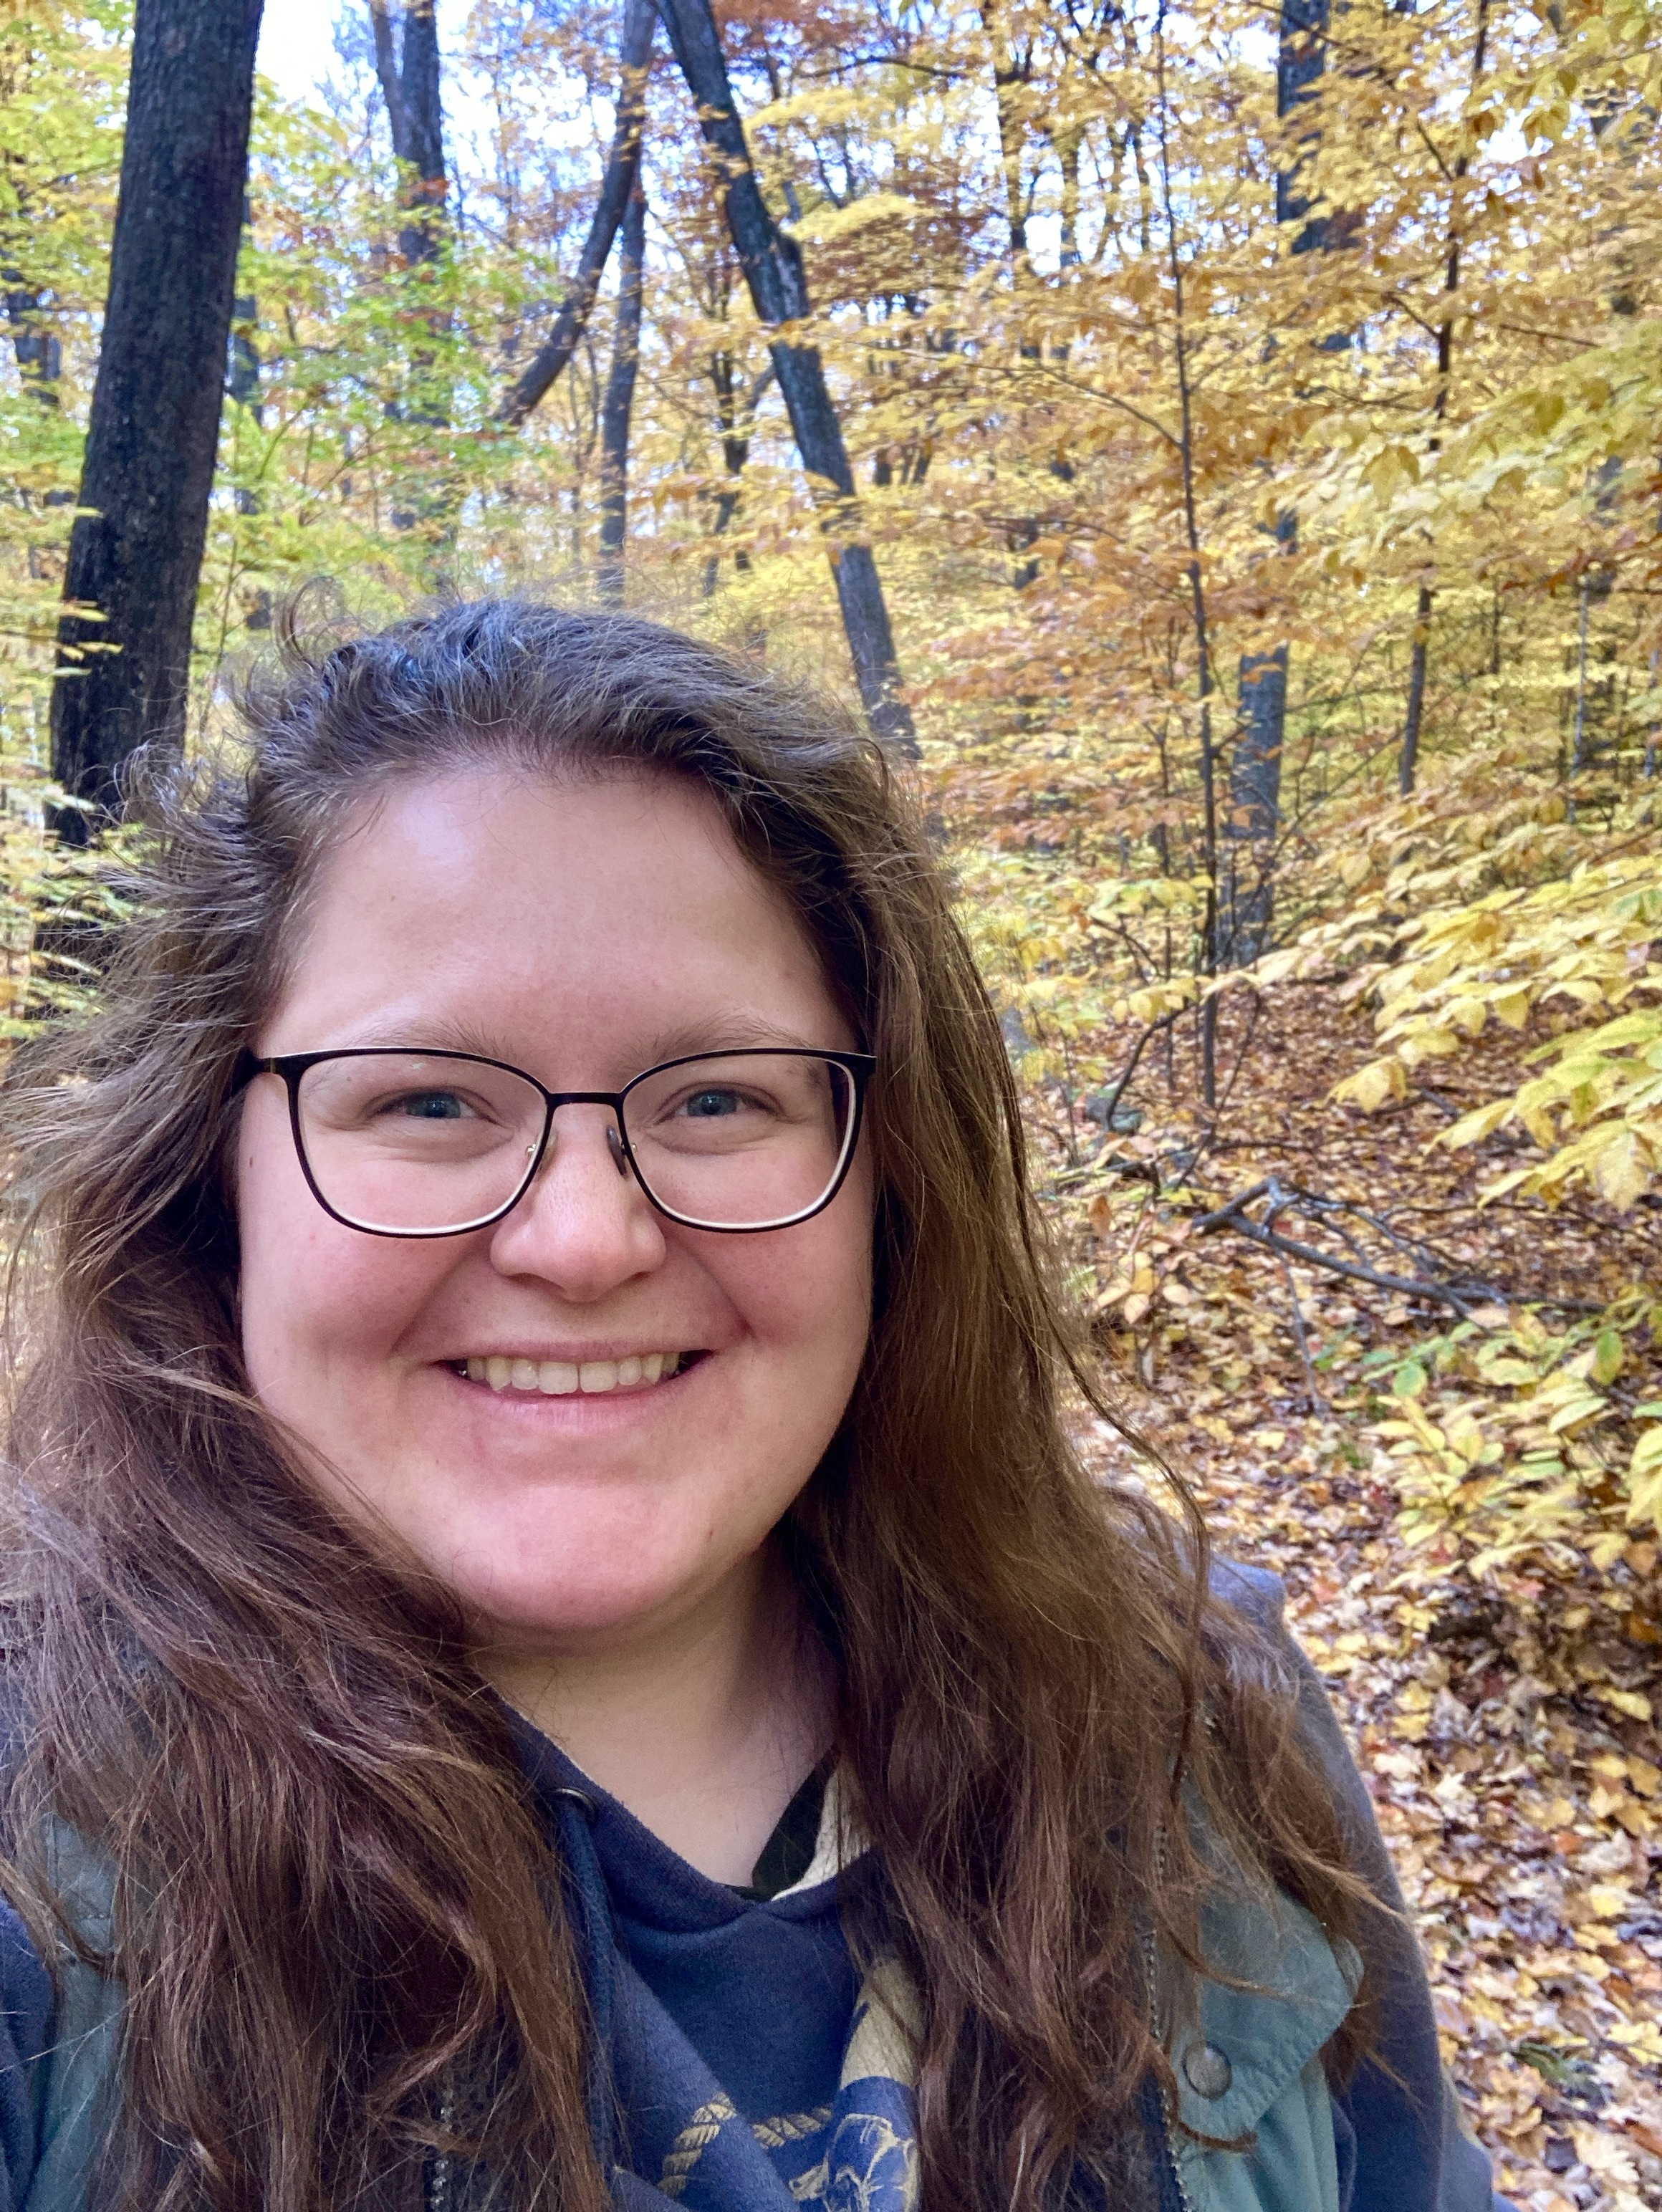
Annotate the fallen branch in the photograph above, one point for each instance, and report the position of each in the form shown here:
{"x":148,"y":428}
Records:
{"x":1454,"y":1289}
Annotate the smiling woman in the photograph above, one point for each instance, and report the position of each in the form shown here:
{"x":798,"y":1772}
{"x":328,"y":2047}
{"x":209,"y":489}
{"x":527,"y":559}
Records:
{"x":557,"y":1649}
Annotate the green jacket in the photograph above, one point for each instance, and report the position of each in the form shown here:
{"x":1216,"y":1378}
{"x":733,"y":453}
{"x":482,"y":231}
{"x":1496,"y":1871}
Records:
{"x":1250,"y":2071}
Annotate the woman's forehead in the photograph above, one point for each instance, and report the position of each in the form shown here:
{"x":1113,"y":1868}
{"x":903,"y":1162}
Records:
{"x":494,"y":898}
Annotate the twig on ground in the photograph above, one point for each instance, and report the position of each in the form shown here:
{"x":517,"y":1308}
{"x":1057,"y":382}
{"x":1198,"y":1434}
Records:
{"x":1456,"y":1290}
{"x":1313,"y":1391}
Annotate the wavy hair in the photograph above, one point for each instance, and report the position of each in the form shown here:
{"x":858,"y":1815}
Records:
{"x":332,"y":1895}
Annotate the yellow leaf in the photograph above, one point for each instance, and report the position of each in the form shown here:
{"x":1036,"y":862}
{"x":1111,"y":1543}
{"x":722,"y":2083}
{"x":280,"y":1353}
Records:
{"x":1609,"y":1902}
{"x":1622,"y":1169}
{"x":1371,"y":1086}
{"x":1513,"y":1008}
{"x":1645,"y":1480}
{"x":1429,"y":1044}
{"x":1630,"y":1702}
{"x":1483,"y":1121}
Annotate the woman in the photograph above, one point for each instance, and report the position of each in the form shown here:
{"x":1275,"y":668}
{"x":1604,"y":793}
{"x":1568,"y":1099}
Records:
{"x":559,"y":1652}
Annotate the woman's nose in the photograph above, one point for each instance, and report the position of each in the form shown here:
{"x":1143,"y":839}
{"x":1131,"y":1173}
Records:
{"x":584,"y":1225}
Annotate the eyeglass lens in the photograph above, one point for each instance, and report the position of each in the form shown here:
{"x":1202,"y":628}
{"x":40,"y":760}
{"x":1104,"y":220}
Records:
{"x":426,"y":1142}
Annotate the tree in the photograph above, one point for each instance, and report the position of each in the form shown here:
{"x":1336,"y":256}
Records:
{"x":619,"y":405}
{"x":136,"y":549}
{"x":617,"y":186}
{"x":409,"y":84}
{"x":1255,"y":768}
{"x":1409,"y":758}
{"x":772,"y":263}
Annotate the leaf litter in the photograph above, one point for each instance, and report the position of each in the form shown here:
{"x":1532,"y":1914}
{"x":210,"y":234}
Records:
{"x":1490,"y":1629}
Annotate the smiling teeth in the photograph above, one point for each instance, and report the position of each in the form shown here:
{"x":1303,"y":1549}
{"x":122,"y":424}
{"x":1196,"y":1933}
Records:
{"x":560,"y":1378}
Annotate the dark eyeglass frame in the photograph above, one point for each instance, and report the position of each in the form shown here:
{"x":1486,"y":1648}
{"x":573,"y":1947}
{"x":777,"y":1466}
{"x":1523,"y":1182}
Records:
{"x":859,"y":1067}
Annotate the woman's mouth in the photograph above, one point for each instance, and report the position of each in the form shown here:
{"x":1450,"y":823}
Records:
{"x":563,"y":1378}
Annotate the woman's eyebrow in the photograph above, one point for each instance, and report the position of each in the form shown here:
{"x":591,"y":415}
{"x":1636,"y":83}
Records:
{"x":730,"y":1030}
{"x":404,"y":1036}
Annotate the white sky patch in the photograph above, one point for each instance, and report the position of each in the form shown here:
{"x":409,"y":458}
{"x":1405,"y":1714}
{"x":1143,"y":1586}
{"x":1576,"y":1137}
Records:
{"x":297,"y":53}
{"x":297,"y":40}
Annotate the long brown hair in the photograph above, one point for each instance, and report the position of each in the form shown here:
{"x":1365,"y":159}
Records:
{"x":332,"y":1894}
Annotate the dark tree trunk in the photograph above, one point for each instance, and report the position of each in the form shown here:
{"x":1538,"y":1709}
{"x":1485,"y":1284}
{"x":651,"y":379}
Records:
{"x":242,"y":383}
{"x":1301,"y":59}
{"x":620,"y":399}
{"x":1408,"y":758}
{"x":149,"y":458}
{"x":772,"y":263}
{"x":622,"y":167}
{"x":410,"y":85}
{"x":735,"y":416}
{"x":35,"y":342}
{"x":1255,"y":807}
{"x":408,"y":68}
{"x":1255,"y":774}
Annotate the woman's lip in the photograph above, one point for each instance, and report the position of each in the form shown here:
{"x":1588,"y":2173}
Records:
{"x":590,"y":1354}
{"x":576,"y":1411}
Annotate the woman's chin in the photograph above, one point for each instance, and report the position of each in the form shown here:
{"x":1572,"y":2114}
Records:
{"x":563,"y":1609}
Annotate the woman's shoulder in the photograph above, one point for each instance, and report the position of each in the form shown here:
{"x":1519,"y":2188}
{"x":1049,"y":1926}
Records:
{"x":26,"y":2013}
{"x":59,"y":2033}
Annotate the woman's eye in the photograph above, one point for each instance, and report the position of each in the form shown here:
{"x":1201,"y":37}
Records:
{"x":430,"y":1106}
{"x":704,"y":1105}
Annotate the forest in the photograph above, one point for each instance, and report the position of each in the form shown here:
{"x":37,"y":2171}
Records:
{"x":1219,"y":452}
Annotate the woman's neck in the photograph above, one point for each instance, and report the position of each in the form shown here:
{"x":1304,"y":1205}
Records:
{"x":704,"y":1726}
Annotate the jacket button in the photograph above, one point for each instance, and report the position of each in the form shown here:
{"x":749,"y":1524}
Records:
{"x":1208,"y":2072}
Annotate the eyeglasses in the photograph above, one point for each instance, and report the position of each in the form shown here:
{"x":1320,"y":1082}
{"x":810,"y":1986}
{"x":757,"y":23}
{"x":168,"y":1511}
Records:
{"x":433,"y":1143}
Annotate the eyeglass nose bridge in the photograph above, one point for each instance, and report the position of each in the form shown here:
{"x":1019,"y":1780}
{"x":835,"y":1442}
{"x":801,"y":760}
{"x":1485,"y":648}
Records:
{"x":539,"y":1155}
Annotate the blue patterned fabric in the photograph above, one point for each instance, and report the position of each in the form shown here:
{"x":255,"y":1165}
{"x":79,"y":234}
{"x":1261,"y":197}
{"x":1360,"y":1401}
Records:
{"x":795,"y":2094}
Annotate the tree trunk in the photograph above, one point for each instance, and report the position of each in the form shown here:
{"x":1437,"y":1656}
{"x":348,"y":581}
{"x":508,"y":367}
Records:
{"x":242,"y":385}
{"x":1209,"y":929}
{"x":1255,"y":774}
{"x":408,"y":69}
{"x":1408,"y":758}
{"x":149,"y":458}
{"x":1255,"y":807}
{"x":410,"y":85}
{"x":1011,"y":73}
{"x":35,"y":344}
{"x":623,"y":166}
{"x":620,"y":399}
{"x":1301,"y":60}
{"x":772,"y":263}
{"x":735,"y":417}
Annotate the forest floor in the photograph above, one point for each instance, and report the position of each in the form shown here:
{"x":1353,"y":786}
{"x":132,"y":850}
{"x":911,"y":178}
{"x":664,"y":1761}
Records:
{"x":1507,"y":1725}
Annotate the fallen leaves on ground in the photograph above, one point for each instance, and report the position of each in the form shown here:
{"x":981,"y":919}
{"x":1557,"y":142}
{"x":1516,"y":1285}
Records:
{"x":1505,"y":1718}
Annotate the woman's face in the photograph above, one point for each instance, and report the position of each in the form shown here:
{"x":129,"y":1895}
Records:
{"x":582,"y":932}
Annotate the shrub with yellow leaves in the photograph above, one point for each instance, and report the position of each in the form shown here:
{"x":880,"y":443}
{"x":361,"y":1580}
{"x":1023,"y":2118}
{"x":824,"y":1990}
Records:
{"x":1514,"y":1447}
{"x":1585,"y":942}
{"x":1446,"y":952}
